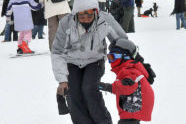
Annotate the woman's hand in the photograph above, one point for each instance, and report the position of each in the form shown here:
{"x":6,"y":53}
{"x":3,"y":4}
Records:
{"x":62,"y":88}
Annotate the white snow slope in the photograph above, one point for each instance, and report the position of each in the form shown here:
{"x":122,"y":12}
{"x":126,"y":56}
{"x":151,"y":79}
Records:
{"x":28,"y":87}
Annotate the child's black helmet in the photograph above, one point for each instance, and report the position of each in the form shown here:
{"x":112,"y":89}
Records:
{"x":125,"y":47}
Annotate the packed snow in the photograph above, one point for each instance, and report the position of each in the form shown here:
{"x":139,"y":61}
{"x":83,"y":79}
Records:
{"x":28,"y":87}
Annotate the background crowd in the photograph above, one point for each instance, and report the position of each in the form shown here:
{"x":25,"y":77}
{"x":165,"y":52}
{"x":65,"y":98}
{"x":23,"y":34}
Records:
{"x":122,"y":11}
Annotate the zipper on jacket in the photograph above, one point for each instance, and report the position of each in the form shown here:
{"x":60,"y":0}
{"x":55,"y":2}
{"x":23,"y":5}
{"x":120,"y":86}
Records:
{"x":91,"y":44}
{"x":101,"y":23}
{"x":92,"y":37}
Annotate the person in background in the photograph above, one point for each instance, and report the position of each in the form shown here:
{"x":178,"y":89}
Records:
{"x":21,"y":10}
{"x":179,"y":9}
{"x":54,"y":11}
{"x":134,"y":95}
{"x":127,"y":22}
{"x":184,"y":14}
{"x":9,"y":27}
{"x":148,"y":13}
{"x":155,"y":8}
{"x":102,"y":5}
{"x":139,"y":5}
{"x":71,"y":2}
{"x":116,"y":9}
{"x":39,"y":23}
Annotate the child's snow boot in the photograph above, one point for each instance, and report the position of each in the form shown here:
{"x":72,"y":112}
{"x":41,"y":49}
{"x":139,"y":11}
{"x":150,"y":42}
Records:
{"x":24,"y":49}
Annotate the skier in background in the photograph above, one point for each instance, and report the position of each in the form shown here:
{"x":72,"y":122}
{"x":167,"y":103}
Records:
{"x":21,"y":10}
{"x":139,"y":5}
{"x":9,"y":26}
{"x":54,"y":12}
{"x":148,"y":12}
{"x":39,"y":23}
{"x":116,"y":10}
{"x":179,"y":9}
{"x":102,"y":5}
{"x":184,"y":15}
{"x":127,"y":21}
{"x":155,"y":9}
{"x":134,"y":95}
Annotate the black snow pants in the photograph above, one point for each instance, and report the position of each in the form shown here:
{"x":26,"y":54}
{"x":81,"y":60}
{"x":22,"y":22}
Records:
{"x":85,"y":102}
{"x":129,"y":121}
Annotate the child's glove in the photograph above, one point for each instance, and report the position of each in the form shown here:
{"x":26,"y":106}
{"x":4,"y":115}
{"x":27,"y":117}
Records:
{"x":127,"y":81}
{"x":151,"y":73}
{"x":147,"y":66}
{"x":138,"y":58}
{"x":105,"y":86}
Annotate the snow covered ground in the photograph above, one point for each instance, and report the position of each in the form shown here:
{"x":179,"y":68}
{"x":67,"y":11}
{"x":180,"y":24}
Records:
{"x":28,"y":87}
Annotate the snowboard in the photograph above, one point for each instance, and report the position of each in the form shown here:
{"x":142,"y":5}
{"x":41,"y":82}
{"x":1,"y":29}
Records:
{"x":28,"y":55}
{"x":144,"y":16}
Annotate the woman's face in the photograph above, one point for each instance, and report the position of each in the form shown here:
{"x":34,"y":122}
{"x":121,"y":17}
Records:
{"x":86,"y":16}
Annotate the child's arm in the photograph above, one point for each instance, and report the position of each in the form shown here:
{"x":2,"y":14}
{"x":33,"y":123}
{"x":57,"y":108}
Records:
{"x":151,"y":14}
{"x":124,"y":87}
{"x":105,"y":87}
{"x":35,"y":6}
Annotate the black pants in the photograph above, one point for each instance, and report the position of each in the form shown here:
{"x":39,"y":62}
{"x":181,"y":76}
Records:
{"x":129,"y":121}
{"x":102,"y":6}
{"x":15,"y":33}
{"x":84,"y":99}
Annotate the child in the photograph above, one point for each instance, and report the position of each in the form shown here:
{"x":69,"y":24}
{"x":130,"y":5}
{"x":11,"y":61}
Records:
{"x":155,"y":7}
{"x":23,"y":23}
{"x":148,"y":12}
{"x":134,"y":95}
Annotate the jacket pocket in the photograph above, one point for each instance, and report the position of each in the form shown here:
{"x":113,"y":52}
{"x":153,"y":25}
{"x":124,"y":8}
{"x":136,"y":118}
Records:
{"x":132,"y":102}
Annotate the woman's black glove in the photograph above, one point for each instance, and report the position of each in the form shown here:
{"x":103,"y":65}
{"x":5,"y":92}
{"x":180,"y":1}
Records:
{"x":105,"y":87}
{"x":62,"y":106}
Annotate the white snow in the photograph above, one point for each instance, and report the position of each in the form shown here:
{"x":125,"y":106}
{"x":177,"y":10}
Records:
{"x":28,"y":87}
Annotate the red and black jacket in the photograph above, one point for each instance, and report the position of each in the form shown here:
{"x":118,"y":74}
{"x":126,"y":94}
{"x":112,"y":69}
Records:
{"x":134,"y":101}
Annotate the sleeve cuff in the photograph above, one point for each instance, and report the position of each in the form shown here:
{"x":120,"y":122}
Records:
{"x":63,"y":78}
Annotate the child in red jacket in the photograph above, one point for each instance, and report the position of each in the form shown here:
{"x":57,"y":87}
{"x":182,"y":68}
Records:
{"x":134,"y":95}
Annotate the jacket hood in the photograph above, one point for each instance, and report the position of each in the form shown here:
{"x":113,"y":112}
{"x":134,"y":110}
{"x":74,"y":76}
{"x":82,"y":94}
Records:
{"x":82,"y":5}
{"x":130,"y":64}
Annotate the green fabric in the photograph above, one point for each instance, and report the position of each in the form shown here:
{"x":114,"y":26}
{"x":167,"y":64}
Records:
{"x":127,"y":21}
{"x":71,"y":2}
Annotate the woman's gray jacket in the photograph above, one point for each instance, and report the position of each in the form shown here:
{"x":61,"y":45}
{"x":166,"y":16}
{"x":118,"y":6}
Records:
{"x":73,"y":44}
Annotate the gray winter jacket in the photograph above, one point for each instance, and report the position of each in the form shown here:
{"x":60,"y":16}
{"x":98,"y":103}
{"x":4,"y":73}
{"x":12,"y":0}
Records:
{"x":74,"y":45}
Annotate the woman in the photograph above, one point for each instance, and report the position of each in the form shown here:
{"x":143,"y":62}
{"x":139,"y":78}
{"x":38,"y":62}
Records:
{"x":54,"y":12}
{"x":78,"y":54}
